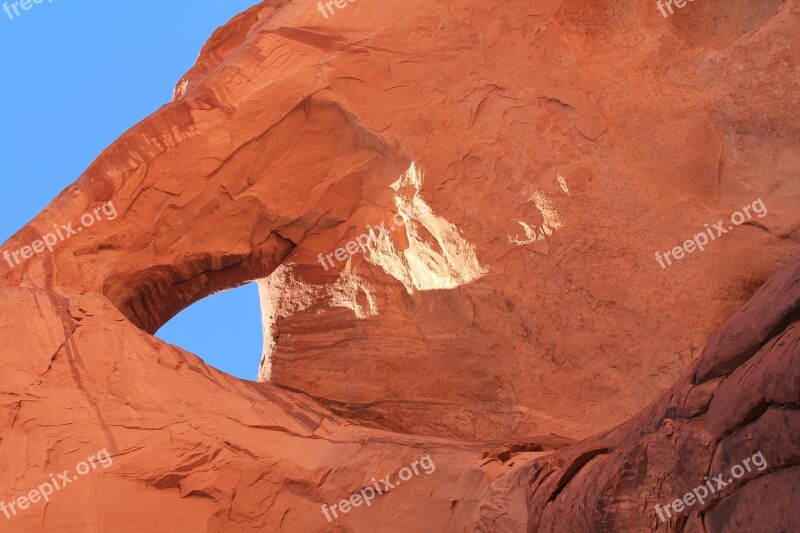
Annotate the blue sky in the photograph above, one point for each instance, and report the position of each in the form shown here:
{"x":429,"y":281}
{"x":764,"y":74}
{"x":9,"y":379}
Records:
{"x":76,"y":75}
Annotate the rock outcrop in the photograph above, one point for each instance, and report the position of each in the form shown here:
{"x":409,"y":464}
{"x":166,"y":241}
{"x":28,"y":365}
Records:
{"x":452,"y":211}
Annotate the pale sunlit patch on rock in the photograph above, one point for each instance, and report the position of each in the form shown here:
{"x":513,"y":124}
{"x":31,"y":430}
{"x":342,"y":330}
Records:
{"x":563,"y":183}
{"x":445,"y":262}
{"x":346,"y":290}
{"x":550,"y":221}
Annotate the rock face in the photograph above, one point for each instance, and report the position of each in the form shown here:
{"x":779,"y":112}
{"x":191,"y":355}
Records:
{"x":740,"y":399}
{"x":452,"y":211}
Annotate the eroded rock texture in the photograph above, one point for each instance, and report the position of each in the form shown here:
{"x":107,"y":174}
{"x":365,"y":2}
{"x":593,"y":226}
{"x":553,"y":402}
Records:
{"x":526,"y":159}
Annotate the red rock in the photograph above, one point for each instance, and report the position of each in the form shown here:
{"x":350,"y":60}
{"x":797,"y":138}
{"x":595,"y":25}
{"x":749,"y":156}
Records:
{"x":546,"y":151}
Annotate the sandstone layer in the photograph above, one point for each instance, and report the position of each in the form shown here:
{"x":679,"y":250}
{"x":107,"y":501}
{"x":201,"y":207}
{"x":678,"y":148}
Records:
{"x":526,"y":159}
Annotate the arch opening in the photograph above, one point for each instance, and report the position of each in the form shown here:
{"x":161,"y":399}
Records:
{"x":224,"y":329}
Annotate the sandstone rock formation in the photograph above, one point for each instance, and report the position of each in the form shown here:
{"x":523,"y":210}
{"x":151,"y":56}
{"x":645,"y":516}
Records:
{"x":526,"y":159}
